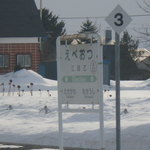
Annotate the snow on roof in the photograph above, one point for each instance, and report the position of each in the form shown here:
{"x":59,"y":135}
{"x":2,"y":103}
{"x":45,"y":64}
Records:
{"x":142,"y":54}
{"x":142,"y":59}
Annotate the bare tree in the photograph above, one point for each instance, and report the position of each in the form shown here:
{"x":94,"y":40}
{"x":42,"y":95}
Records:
{"x":145,"y":33}
{"x":145,"y":6}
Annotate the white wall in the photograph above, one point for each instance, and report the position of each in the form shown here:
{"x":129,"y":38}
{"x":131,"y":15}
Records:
{"x":19,"y":40}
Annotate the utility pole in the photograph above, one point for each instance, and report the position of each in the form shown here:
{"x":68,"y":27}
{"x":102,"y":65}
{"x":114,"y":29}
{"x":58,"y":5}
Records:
{"x":41,"y":9}
{"x":41,"y":20}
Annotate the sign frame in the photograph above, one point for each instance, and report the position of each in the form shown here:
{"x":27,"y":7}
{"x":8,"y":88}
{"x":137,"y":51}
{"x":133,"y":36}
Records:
{"x":79,"y":73}
{"x":60,"y":76}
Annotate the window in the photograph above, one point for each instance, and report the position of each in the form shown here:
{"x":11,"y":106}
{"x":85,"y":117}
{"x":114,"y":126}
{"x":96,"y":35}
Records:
{"x":4,"y":61}
{"x":24,"y":60}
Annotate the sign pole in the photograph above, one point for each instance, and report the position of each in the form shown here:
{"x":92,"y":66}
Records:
{"x":60,"y":127}
{"x":117,"y":76}
{"x":118,"y":19}
{"x":101,"y":107}
{"x":60,"y":122}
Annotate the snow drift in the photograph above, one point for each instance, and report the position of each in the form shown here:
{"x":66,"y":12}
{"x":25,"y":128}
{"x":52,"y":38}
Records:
{"x":27,"y":121}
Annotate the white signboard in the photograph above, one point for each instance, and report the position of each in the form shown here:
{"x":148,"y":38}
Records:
{"x":118,"y":19}
{"x":79,"y":68}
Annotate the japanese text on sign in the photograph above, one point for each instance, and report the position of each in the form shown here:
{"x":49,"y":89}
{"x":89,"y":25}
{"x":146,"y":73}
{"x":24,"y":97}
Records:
{"x":79,"y":73}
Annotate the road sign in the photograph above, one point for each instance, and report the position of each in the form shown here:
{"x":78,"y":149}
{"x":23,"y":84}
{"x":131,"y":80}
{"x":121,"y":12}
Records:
{"x":118,"y":19}
{"x":78,"y":72}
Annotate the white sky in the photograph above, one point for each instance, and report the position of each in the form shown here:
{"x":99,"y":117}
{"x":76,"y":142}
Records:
{"x":95,"y":8}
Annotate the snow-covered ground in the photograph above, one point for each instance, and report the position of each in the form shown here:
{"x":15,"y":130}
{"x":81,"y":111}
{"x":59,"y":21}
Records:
{"x":6,"y":147}
{"x":23,"y":118}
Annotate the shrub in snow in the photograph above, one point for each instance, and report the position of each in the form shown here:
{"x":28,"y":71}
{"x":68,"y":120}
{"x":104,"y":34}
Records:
{"x":22,"y":92}
{"x":10,"y":107}
{"x":48,"y":93}
{"x":13,"y":88}
{"x":9,"y":90}
{"x":108,"y":93}
{"x":45,"y":109}
{"x":31,"y":89}
{"x":3,"y":89}
{"x":18,"y":86}
{"x":17,"y":68}
{"x":125,"y":111}
{"x":40,"y":92}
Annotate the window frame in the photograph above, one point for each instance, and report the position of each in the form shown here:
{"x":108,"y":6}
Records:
{"x":25,"y":63}
{"x":5,"y":61}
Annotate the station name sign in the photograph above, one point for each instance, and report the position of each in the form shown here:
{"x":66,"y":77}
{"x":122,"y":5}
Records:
{"x":78,"y":73}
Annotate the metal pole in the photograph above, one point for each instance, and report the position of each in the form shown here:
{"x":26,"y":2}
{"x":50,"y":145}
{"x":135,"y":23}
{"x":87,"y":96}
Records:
{"x":60,"y":127}
{"x":101,"y":107}
{"x":60,"y":121}
{"x":41,"y":9}
{"x":117,"y":76}
{"x":41,"y":20}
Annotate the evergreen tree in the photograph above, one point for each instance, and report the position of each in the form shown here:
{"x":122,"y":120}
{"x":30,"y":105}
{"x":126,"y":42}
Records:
{"x":51,"y":24}
{"x":127,"y":51}
{"x":131,"y":44}
{"x":54,"y":28}
{"x":88,"y":26}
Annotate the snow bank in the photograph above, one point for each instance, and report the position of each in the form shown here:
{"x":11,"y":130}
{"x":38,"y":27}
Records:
{"x":132,"y":85}
{"x":27,"y":122}
{"x":25,"y":77}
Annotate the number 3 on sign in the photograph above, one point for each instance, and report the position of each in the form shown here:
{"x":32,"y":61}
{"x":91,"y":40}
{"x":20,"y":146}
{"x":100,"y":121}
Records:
{"x":119,"y":19}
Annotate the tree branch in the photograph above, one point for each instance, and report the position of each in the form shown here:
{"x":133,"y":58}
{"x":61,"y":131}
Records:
{"x":146,"y":7}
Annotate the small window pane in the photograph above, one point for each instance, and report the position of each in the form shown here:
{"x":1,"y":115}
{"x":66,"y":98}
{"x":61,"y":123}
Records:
{"x":27,"y":60}
{"x":4,"y":61}
{"x":1,"y":60}
{"x":20,"y":60}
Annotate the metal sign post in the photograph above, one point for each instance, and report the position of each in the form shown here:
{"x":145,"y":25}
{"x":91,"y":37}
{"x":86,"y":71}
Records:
{"x":118,"y":19}
{"x":117,"y":77}
{"x":80,"y":77}
{"x":60,"y":124}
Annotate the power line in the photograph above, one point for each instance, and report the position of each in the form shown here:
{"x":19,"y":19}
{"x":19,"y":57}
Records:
{"x":102,"y":17}
{"x":144,"y":15}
